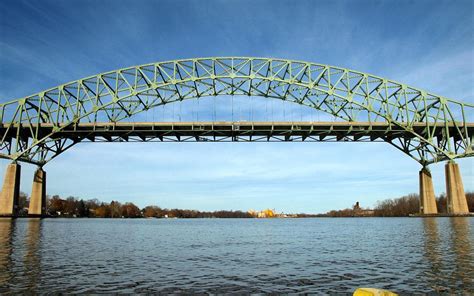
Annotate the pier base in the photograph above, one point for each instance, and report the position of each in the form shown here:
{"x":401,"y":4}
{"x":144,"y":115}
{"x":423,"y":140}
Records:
{"x":457,"y":202}
{"x":37,"y":206}
{"x":10,"y":194}
{"x":427,"y":196}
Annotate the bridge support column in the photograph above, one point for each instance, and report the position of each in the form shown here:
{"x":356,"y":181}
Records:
{"x":456,"y":198}
{"x":427,"y":196}
{"x":37,"y":206}
{"x":9,"y":197}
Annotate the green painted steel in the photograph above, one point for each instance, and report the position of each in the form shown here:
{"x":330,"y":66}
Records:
{"x":349,"y":95}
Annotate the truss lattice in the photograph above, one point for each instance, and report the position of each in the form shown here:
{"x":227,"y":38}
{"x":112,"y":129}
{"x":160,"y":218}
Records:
{"x":427,"y":127}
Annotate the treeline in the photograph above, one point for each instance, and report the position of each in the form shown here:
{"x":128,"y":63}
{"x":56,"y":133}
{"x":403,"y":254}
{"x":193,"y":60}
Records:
{"x":398,"y":207}
{"x":339,"y":213}
{"x":93,"y":208}
{"x":410,"y":204}
{"x":157,"y":212}
{"x":74,"y":207}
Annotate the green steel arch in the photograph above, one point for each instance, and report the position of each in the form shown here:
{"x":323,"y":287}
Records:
{"x":349,"y":95}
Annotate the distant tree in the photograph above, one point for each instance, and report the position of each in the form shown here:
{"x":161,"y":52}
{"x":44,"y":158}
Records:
{"x":23,"y":202}
{"x":470,"y":201}
{"x":341,"y":213}
{"x":56,"y":205}
{"x":70,"y":206}
{"x":175,"y":213}
{"x":441,"y":203}
{"x":152,"y":211}
{"x":230,"y":214}
{"x":82,"y":209}
{"x":92,"y":205}
{"x":129,"y":210}
{"x":398,"y":207}
{"x":102,"y":211}
{"x":115,"y":209}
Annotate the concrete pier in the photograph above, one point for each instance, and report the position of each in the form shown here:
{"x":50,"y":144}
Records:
{"x":457,"y":202}
{"x":37,"y":206}
{"x":427,"y":196}
{"x":10,"y":194}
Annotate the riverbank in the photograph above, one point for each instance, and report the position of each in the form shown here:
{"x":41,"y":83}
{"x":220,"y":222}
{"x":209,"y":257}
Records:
{"x":73,"y":207}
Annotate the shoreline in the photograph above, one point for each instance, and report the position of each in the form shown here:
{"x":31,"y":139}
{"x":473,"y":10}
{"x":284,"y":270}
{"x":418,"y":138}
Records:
{"x":221,"y":218}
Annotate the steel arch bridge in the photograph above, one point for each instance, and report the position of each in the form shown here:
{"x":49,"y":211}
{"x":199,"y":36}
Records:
{"x":427,"y":127}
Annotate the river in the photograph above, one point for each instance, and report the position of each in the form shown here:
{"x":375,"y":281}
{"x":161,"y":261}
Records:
{"x":314,"y":255}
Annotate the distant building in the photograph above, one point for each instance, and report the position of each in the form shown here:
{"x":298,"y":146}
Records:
{"x":357,"y":211}
{"x":356,"y":206}
{"x":268,"y":213}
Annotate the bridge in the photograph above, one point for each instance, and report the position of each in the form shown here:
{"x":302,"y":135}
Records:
{"x":366,"y":108}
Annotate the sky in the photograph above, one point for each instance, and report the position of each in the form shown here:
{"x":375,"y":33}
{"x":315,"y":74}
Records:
{"x":425,"y":44}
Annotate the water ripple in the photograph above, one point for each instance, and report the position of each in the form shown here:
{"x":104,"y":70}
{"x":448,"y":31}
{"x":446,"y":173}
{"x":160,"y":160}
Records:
{"x":236,"y":256}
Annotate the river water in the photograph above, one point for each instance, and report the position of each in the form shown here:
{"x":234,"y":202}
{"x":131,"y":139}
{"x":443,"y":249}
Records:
{"x":320,"y":255}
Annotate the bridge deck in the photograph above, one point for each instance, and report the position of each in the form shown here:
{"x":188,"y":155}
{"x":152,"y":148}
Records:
{"x":233,"y":131}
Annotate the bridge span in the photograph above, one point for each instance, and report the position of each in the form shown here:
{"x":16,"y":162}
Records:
{"x":238,"y":131}
{"x":366,"y":108}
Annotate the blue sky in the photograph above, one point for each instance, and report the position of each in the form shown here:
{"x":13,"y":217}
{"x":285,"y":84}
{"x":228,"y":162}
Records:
{"x":426,"y":44}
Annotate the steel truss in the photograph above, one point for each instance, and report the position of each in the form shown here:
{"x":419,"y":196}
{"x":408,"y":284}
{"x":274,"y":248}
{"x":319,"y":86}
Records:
{"x":427,"y":127}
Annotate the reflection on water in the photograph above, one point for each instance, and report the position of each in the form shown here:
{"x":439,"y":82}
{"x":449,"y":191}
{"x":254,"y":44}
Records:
{"x":15,"y":244}
{"x":449,"y":257}
{"x":463,"y":272}
{"x":433,"y":253}
{"x":32,"y":259}
{"x":236,"y":255}
{"x":6,"y":236}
